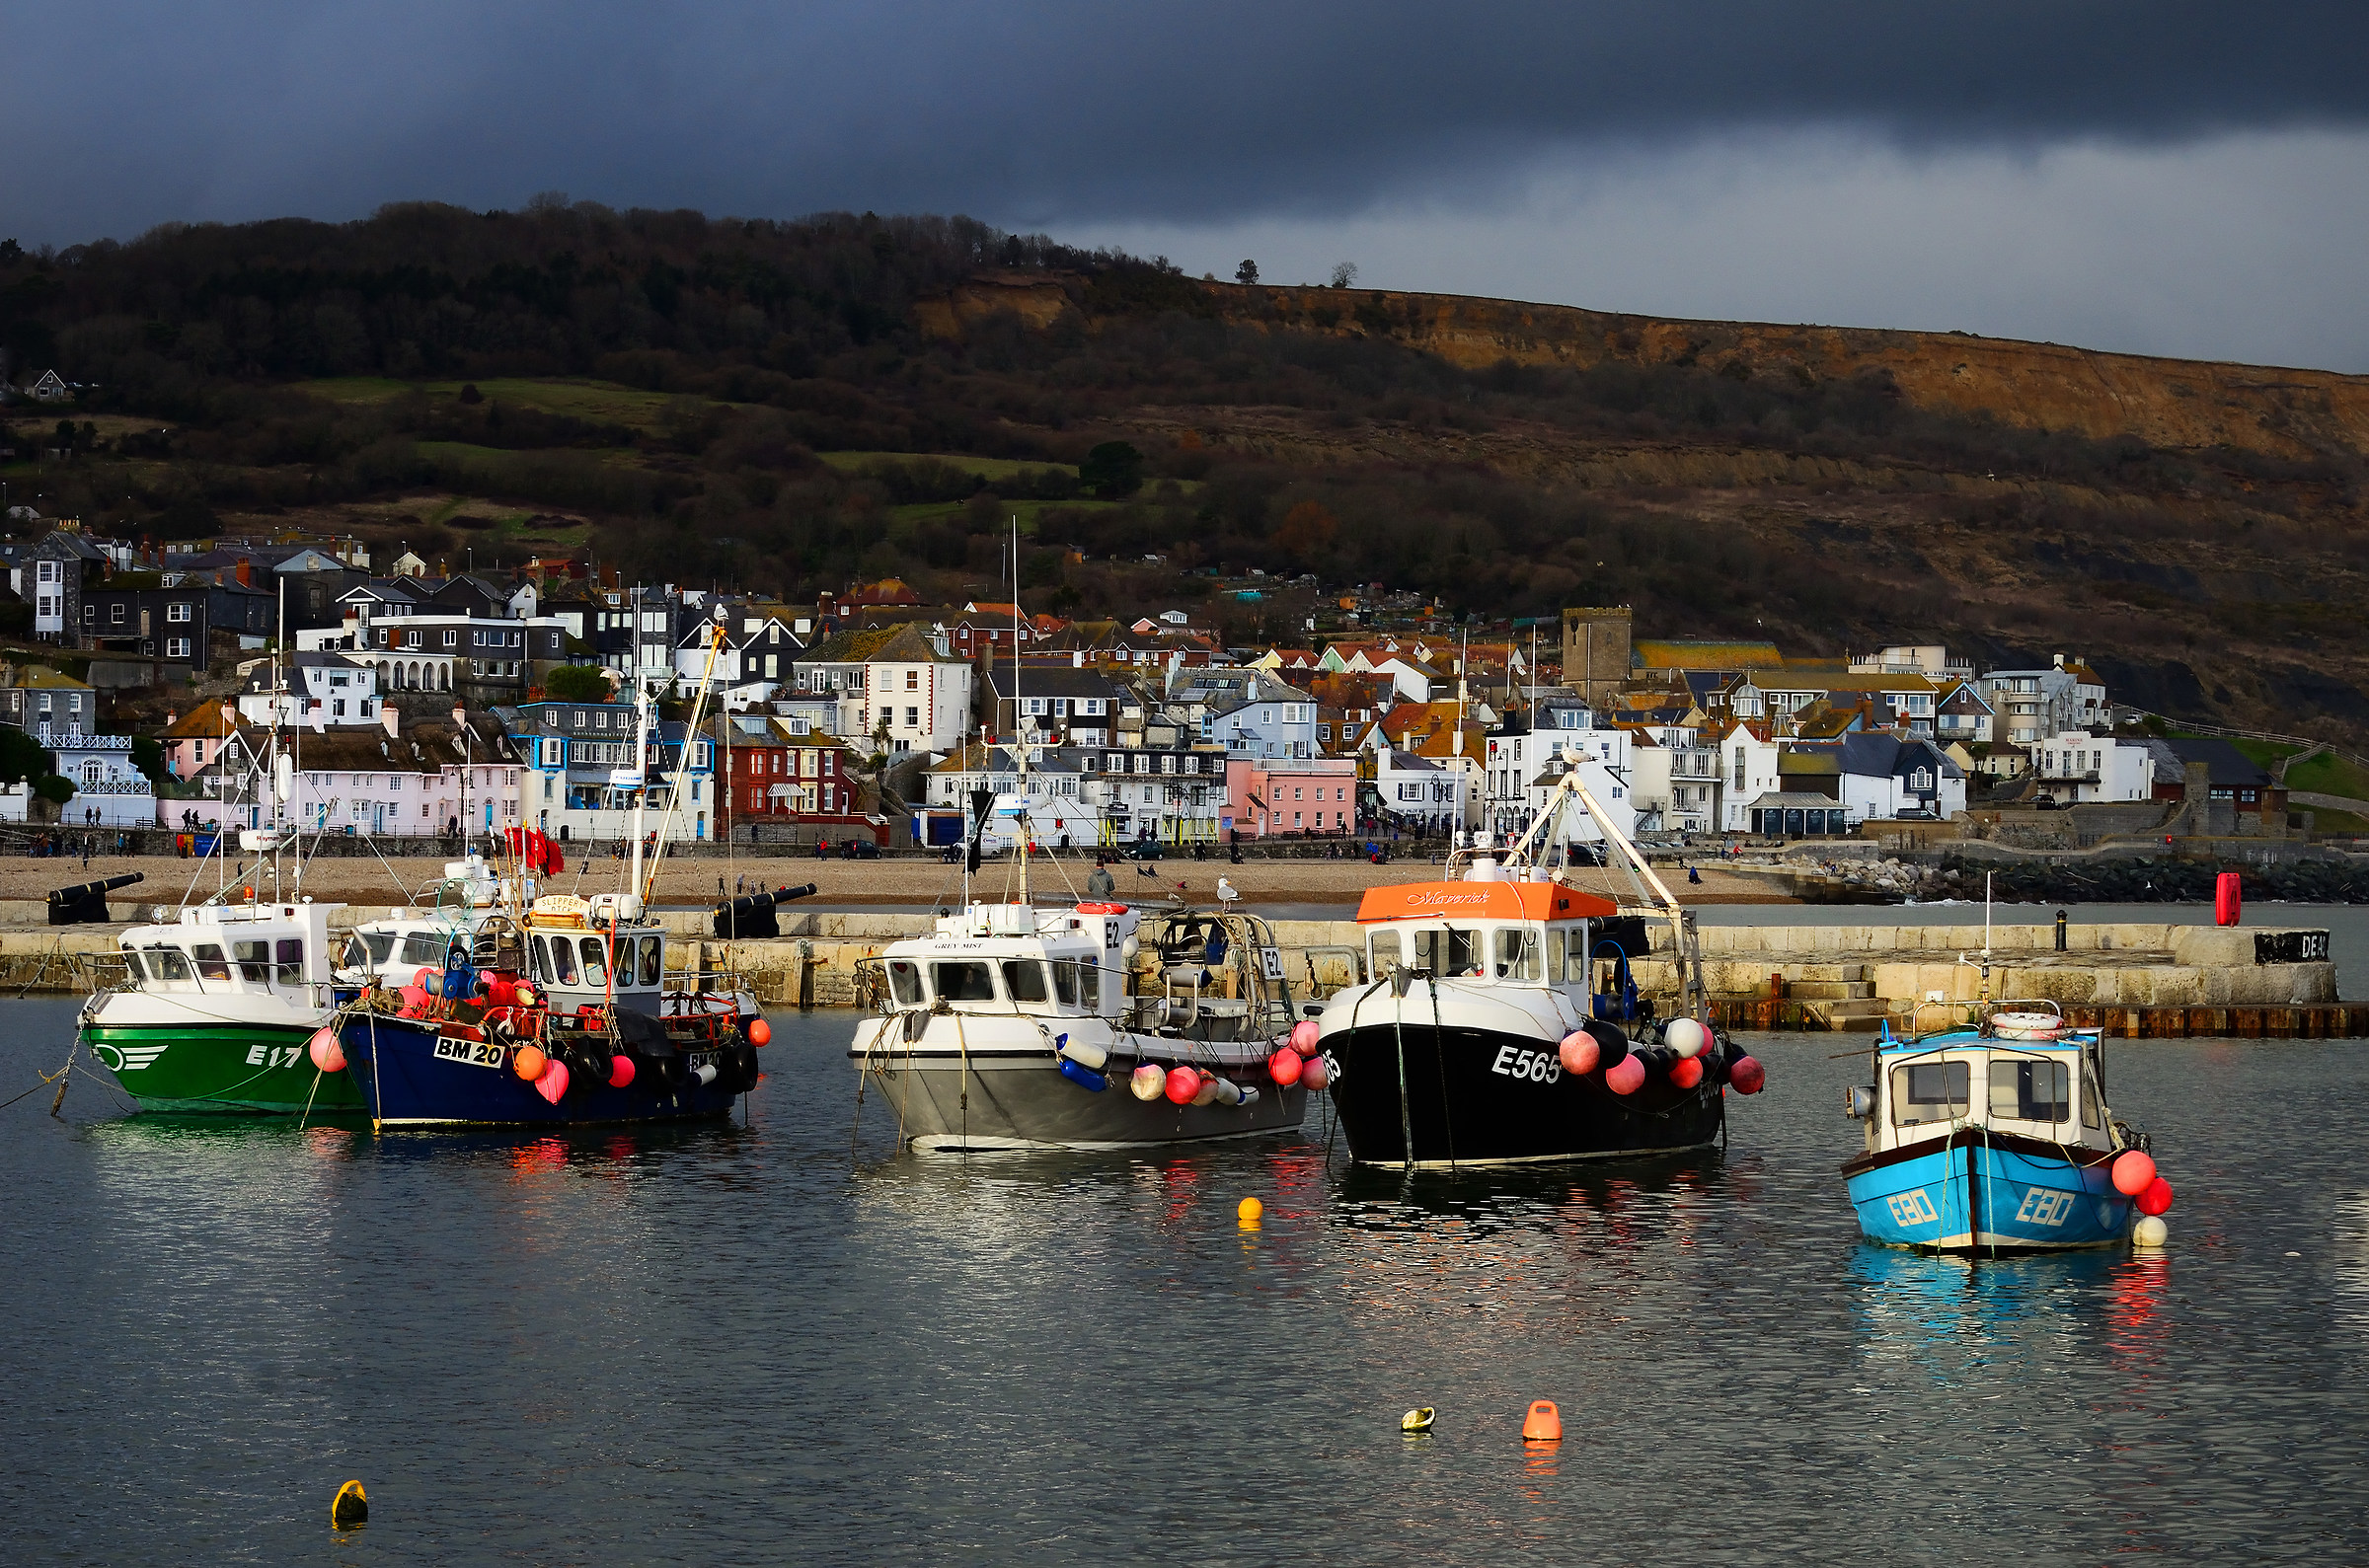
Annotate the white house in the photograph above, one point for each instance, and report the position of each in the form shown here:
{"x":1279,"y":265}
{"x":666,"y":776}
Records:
{"x":337,"y":693}
{"x":105,"y":782}
{"x":1885,"y":777}
{"x":2076,"y":766}
{"x":1606,"y":784}
{"x":1747,"y":770}
{"x":1423,"y":794}
{"x":899,"y":682}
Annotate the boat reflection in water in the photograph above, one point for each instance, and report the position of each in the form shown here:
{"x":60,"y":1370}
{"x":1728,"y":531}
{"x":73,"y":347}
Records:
{"x":1952,"y":1321}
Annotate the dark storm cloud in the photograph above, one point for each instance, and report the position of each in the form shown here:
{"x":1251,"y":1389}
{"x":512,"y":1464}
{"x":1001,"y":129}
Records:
{"x":1048,"y":111}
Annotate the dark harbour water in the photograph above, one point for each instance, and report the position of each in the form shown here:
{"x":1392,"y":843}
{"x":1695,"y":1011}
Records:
{"x":740,"y":1344}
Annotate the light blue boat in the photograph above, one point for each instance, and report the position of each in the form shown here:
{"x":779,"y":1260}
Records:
{"x":1989,"y":1137}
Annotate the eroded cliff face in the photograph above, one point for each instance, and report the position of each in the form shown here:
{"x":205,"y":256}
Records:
{"x":2178,"y":404}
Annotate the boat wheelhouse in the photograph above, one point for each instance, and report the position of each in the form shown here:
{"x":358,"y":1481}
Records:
{"x":1994,"y":1136}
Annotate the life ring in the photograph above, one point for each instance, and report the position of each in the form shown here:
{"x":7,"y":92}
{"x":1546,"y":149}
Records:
{"x":1101,"y":909}
{"x":2026,"y":1025}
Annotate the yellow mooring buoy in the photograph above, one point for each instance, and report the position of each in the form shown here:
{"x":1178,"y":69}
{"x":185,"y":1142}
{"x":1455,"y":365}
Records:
{"x":1417,"y":1420}
{"x":352,"y":1508}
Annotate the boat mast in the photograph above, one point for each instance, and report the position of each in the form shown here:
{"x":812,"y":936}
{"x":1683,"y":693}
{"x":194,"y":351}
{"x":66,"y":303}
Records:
{"x":642,"y":768}
{"x":1024,"y":841}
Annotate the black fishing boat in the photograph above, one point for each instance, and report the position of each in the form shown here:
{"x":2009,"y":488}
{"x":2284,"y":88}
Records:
{"x":1475,"y":1039}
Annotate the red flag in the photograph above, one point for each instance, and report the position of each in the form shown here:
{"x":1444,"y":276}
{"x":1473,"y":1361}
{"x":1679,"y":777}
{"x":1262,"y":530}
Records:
{"x":516,"y":841}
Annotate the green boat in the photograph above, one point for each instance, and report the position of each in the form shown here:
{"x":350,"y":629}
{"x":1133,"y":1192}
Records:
{"x":220,"y":1008}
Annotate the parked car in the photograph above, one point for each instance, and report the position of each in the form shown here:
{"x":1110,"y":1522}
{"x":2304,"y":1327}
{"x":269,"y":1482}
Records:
{"x":1144,"y":850}
{"x":861,"y":850}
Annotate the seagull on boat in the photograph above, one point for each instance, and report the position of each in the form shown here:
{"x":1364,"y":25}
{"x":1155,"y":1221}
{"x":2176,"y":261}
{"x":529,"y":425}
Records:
{"x":1226,"y":893}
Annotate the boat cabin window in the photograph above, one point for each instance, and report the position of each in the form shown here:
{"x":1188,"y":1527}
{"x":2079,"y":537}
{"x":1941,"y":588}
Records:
{"x":653,"y":959}
{"x":210,"y":963}
{"x":904,"y":982}
{"x":424,"y":947}
{"x":559,"y":960}
{"x":1517,"y":953}
{"x":167,"y":963}
{"x":290,"y":952}
{"x":1446,"y":952}
{"x":1556,"y":940}
{"x":1930,"y":1091}
{"x":379,"y":944}
{"x":254,"y":961}
{"x":1090,"y":984}
{"x":1382,"y":951}
{"x":596,"y":961}
{"x":961,"y":982}
{"x":1065,"y":983}
{"x":2031,"y":1092}
{"x":2091,"y":1097}
{"x":1024,"y":978}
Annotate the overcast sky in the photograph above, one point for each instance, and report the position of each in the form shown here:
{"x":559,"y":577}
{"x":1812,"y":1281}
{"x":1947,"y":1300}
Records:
{"x":2145,"y":174}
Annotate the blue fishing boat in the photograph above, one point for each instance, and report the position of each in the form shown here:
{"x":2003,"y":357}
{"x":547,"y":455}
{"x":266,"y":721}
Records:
{"x":1995,"y":1136}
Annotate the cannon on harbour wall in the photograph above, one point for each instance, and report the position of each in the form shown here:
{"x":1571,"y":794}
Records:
{"x":754,"y":916}
{"x":84,"y":902}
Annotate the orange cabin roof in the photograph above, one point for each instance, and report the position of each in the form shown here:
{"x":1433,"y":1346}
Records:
{"x":1481,"y":901}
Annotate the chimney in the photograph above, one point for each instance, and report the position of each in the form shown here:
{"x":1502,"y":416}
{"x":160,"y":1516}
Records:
{"x":246,"y":573}
{"x":388,"y":717}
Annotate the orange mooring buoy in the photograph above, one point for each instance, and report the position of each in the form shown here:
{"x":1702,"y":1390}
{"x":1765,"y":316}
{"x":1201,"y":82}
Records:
{"x":350,"y":1507}
{"x":1544,"y":1424}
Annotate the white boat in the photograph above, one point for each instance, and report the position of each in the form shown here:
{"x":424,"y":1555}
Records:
{"x":1011,"y":1026}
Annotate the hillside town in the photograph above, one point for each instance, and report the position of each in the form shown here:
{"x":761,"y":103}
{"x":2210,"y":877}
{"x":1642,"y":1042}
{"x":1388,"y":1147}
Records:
{"x":417,"y":701}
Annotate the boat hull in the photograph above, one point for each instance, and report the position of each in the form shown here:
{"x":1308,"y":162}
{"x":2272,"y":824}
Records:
{"x":1979,"y":1191}
{"x":187,"y":1063}
{"x":1004,"y":1104}
{"x":1472,"y":1095}
{"x":994,"y":1083}
{"x":404,"y":1082}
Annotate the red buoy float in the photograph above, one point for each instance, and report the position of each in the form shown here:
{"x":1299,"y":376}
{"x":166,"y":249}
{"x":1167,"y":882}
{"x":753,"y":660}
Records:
{"x":759,"y":1031}
{"x":1747,"y":1075}
{"x":529,"y":1063}
{"x":552,"y":1081}
{"x":1306,"y":1037}
{"x":1625,"y":1077}
{"x":2133,"y":1169}
{"x":1687,"y":1071}
{"x":328,"y":1055}
{"x":2155,"y":1199}
{"x":621,"y":1071}
{"x":1182,"y":1084}
{"x":2229,"y":899}
{"x":1578,"y":1052}
{"x":1286,"y":1066}
{"x":1315,"y":1075}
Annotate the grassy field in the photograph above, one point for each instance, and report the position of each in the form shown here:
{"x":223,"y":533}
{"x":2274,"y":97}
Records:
{"x":604,"y":402}
{"x":2330,"y":775}
{"x":989,"y":468}
{"x":1027,"y":511}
